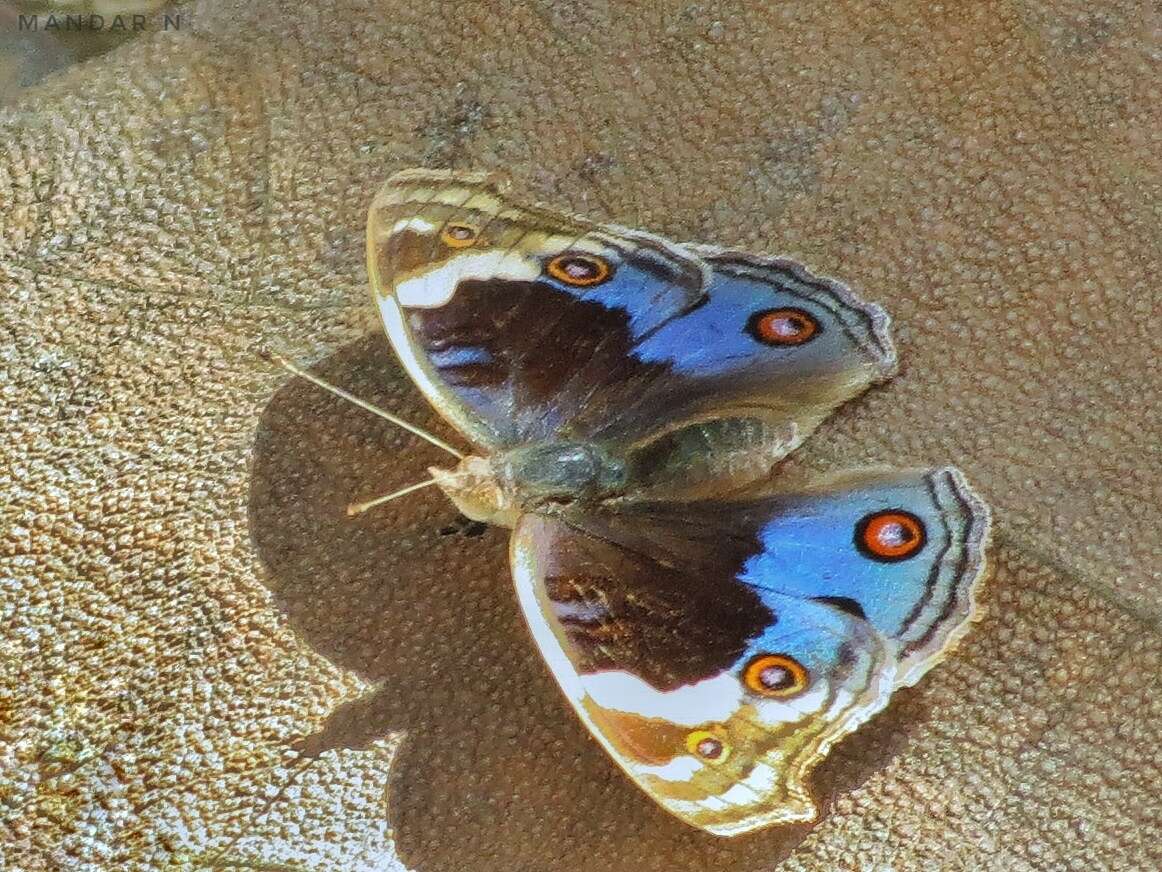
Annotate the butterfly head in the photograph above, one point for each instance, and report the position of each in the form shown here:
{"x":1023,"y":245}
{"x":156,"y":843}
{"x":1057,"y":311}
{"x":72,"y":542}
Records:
{"x":475,"y":490}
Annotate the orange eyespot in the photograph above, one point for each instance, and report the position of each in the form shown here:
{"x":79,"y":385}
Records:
{"x":579,"y":270}
{"x":783,"y":326}
{"x":708,"y":745}
{"x":775,"y":676}
{"x":890,"y":536}
{"x":458,"y":235}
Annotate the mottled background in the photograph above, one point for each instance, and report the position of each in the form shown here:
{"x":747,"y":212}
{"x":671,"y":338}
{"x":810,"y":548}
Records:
{"x":204,"y":664}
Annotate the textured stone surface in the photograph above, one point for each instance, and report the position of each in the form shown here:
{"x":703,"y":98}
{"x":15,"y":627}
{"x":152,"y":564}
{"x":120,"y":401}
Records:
{"x":203,"y":661}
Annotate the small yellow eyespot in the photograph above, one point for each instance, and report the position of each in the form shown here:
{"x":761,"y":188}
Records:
{"x":708,"y":745}
{"x":458,"y":235}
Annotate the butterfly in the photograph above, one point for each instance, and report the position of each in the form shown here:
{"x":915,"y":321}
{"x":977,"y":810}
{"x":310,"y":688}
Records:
{"x":627,"y":399}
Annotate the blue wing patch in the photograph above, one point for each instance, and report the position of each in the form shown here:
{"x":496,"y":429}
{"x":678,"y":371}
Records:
{"x":895,"y":550}
{"x":897,"y":553}
{"x":718,"y":337}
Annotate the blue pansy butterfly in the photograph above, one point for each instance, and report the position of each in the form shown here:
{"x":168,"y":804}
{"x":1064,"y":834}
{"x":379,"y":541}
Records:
{"x":627,"y":398}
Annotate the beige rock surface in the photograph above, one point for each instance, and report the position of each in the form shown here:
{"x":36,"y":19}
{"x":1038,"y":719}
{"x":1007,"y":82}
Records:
{"x":204,"y":663}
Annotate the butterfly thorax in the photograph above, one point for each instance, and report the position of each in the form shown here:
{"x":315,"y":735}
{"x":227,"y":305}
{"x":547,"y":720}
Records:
{"x":498,"y":489}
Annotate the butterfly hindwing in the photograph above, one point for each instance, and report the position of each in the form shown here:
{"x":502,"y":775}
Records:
{"x":715,"y":653}
{"x":522,"y":325}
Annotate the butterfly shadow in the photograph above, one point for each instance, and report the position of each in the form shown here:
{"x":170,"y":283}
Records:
{"x":496,"y":772}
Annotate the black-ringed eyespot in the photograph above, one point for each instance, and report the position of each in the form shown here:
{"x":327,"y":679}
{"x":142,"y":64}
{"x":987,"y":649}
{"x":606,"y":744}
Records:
{"x":457,"y":235}
{"x":783,"y":327}
{"x":775,"y":676}
{"x":890,"y":535}
{"x":579,"y":269}
{"x":708,"y":745}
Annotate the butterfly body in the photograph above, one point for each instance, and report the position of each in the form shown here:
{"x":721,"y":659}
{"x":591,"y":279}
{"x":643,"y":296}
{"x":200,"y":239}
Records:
{"x":628,"y":398}
{"x":499,"y":488}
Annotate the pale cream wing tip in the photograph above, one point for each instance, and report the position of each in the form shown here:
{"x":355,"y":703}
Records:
{"x":424,"y":176}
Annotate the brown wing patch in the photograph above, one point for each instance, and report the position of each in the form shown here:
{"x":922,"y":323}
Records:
{"x":669,"y":625}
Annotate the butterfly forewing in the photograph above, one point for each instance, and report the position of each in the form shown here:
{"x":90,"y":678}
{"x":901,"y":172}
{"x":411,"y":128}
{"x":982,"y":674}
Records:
{"x":522,"y":324}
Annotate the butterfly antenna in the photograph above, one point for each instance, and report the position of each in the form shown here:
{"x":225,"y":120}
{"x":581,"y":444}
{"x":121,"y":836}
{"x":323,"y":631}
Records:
{"x":359,"y":508}
{"x":363,"y":404}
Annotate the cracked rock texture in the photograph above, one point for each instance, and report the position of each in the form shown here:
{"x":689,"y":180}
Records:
{"x":203,"y":664}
